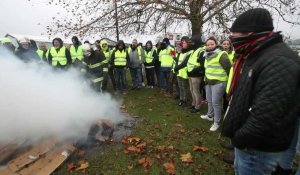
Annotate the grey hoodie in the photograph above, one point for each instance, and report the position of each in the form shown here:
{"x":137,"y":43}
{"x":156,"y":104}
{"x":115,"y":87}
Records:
{"x":135,"y":62}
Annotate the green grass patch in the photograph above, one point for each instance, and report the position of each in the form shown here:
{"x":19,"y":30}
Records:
{"x":166,"y":124}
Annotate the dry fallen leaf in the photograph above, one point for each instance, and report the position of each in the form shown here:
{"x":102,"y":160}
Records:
{"x":171,"y":147}
{"x":200,"y":148}
{"x":130,"y":166}
{"x":70,"y":167}
{"x":146,"y":162}
{"x":160,"y":148}
{"x":158,"y":157}
{"x":133,"y":149}
{"x":150,"y":109}
{"x":83,"y":166}
{"x":133,"y":139}
{"x":178,"y":125}
{"x":141,"y":145}
{"x":170,"y":167}
{"x":187,"y":158}
{"x":182,"y":131}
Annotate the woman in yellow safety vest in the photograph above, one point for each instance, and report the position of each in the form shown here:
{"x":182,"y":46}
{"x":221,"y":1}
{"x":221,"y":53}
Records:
{"x":181,"y":69}
{"x":59,"y":56}
{"x":217,"y":66}
{"x":227,"y":46}
{"x":120,"y":61}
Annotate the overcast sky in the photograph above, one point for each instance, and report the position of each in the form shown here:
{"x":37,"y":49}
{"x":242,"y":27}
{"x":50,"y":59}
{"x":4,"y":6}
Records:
{"x":22,"y":17}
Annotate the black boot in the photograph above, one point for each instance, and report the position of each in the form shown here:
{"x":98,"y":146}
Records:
{"x":229,"y":158}
{"x":227,"y":145}
{"x":281,"y":171}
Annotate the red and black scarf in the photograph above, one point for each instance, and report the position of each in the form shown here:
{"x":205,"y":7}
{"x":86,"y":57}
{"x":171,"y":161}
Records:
{"x":247,"y":46}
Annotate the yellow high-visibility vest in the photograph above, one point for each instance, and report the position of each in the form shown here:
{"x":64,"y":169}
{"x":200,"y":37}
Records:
{"x":214,"y":70}
{"x":165,"y":58}
{"x":183,"y":71}
{"x":58,"y":57}
{"x":192,"y":62}
{"x":120,"y":58}
{"x":76,"y":54}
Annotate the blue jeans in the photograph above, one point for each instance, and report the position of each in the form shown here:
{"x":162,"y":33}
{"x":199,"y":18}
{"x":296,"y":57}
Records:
{"x":164,"y":77}
{"x":136,"y":77}
{"x":286,"y":161}
{"x":298,"y":147}
{"x":252,"y":162}
{"x":120,"y":78}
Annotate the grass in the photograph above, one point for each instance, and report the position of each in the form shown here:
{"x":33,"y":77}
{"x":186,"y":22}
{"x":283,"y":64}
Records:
{"x":163,"y":124}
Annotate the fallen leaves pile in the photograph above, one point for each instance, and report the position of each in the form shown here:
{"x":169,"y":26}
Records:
{"x":162,"y":155}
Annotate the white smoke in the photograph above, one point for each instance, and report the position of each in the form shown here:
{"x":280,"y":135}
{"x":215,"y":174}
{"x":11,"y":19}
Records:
{"x":37,"y":102}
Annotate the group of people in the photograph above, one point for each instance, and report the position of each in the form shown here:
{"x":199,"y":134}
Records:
{"x":253,"y":70}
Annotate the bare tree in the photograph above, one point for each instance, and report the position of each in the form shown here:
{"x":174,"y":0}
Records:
{"x":87,"y":17}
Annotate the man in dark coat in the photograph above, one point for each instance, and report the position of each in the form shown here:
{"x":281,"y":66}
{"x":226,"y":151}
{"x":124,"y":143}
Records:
{"x":25,"y":53}
{"x":265,"y":94}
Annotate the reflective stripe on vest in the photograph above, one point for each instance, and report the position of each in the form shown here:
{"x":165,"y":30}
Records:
{"x":231,"y":56}
{"x":120,"y":58}
{"x":58,"y":57}
{"x":192,"y":62}
{"x":76,"y":54}
{"x":96,"y":80}
{"x":165,"y":57}
{"x":214,"y":70}
{"x":139,"y":52}
{"x":183,"y":72}
{"x":92,"y":66}
{"x":230,"y":77}
{"x":149,"y":56}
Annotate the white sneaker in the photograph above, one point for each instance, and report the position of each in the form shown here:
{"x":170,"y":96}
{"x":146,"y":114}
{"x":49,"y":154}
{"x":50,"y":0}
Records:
{"x":214,"y":126}
{"x":205,"y":117}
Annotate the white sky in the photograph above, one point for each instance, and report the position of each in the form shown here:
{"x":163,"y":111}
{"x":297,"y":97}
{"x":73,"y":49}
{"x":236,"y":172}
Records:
{"x":22,"y":17}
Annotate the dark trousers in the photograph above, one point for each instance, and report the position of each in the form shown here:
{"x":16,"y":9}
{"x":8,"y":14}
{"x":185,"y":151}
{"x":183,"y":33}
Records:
{"x":120,"y":78}
{"x":157,"y":75}
{"x":109,"y":75}
{"x":150,"y":76}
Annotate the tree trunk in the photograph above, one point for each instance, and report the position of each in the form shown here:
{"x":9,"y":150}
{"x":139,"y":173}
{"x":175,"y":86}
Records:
{"x":196,"y":27}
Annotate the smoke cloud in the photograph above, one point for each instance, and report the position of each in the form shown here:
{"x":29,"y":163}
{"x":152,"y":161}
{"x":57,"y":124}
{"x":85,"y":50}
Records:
{"x":37,"y":102}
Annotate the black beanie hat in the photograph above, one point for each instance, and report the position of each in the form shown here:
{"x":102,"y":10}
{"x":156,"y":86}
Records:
{"x":253,"y":20}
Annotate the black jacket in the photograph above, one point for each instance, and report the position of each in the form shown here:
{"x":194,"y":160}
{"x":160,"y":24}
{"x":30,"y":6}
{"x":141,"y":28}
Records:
{"x":27,"y":55}
{"x":266,"y":102}
{"x":97,"y":57}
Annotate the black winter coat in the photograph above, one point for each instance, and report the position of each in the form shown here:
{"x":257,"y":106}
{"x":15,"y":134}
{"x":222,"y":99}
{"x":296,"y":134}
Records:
{"x":266,"y":103}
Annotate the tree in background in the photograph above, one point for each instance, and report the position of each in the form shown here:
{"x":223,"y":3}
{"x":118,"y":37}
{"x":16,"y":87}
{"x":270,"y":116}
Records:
{"x":86,"y":17}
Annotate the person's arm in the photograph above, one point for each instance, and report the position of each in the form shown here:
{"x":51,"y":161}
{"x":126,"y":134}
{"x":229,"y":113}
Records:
{"x":127,"y":59}
{"x":183,"y":63}
{"x":201,"y":60}
{"x":143,"y":55}
{"x":112,"y":58}
{"x":155,"y":57}
{"x":49,"y":58}
{"x":68,"y":56}
{"x":273,"y":92}
{"x":225,"y":63}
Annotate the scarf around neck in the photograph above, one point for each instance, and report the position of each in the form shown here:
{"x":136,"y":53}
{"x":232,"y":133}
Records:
{"x":245,"y":47}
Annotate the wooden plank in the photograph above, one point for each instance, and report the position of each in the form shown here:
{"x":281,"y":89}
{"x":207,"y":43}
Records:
{"x":31,"y":155}
{"x":49,"y":162}
{"x":7,"y":150}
